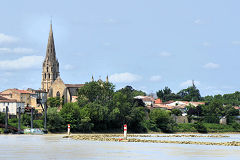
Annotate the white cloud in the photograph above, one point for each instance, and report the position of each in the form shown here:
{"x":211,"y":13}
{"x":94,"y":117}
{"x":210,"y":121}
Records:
{"x":165,"y":54}
{"x":124,"y":78}
{"x":236,"y":42}
{"x":7,"y":39}
{"x":198,"y":21}
{"x":211,"y":65}
{"x":155,"y":78}
{"x":68,"y":67}
{"x":17,"y":50}
{"x":25,"y":62}
{"x":189,"y":83}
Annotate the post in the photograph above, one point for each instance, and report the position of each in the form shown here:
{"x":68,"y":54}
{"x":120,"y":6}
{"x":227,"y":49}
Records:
{"x":125,"y":131}
{"x":31,"y":118}
{"x":45,"y":117}
{"x":6,"y":120}
{"x":19,"y":120}
{"x":68,"y":129}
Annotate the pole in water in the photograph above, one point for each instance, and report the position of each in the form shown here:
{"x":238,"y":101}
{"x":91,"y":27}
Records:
{"x":31,"y":118}
{"x":68,"y":129}
{"x":125,"y":131}
{"x":45,"y":117}
{"x":19,"y":120}
{"x":6,"y":120}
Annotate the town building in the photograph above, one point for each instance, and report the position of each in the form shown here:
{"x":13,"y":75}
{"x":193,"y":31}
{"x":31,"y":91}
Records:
{"x":12,"y":105}
{"x":24,"y":96}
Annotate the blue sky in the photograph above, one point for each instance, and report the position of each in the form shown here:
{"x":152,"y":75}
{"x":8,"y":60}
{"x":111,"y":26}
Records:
{"x":148,"y":44}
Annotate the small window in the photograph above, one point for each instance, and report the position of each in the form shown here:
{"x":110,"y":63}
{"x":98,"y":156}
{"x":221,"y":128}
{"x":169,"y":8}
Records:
{"x":58,"y":94}
{"x":47,"y":69}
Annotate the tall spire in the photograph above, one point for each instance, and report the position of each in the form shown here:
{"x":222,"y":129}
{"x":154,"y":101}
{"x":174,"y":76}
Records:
{"x":50,"y":69}
{"x":107,"y":79}
{"x":50,"y":53}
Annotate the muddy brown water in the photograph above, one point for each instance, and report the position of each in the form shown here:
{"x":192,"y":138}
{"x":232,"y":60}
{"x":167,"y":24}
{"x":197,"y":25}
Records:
{"x":38,"y":147}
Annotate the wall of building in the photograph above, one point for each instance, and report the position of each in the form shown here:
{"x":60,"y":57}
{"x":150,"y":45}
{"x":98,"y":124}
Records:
{"x":12,"y":107}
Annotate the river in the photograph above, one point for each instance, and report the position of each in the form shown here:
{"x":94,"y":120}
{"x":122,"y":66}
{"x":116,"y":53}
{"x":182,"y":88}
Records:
{"x":42,"y":147}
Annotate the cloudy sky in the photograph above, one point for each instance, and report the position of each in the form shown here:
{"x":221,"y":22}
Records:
{"x":148,"y":44}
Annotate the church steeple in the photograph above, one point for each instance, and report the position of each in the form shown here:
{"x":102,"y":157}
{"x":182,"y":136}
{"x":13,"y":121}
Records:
{"x":50,"y":69}
{"x":50,"y":53}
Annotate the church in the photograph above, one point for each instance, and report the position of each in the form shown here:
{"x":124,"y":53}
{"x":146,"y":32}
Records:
{"x":51,"y":80}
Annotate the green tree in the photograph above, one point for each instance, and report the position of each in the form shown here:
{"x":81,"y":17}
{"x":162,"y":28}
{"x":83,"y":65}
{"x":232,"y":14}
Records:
{"x":54,"y":120}
{"x":163,"y":120}
{"x":97,"y":91}
{"x":213,"y":111}
{"x":98,"y":115}
{"x":166,"y":94}
{"x":70,"y":113}
{"x":54,"y":102}
{"x":176,"y":112}
{"x":190,"y":94}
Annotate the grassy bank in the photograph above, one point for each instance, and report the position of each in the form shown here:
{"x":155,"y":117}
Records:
{"x":211,"y":127}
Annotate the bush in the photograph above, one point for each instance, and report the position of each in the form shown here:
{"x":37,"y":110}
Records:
{"x":163,"y":120}
{"x":236,"y":126}
{"x":54,"y":120}
{"x":186,"y":127}
{"x":2,"y":117}
{"x":200,"y":127}
{"x":38,"y":123}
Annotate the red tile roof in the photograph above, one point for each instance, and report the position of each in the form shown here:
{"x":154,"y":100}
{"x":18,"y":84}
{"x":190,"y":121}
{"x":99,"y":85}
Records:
{"x":158,"y":101}
{"x":3,"y":99}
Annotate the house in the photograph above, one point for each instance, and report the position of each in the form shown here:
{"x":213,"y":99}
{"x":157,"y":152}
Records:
{"x":148,"y":101}
{"x":12,"y":105}
{"x":27,"y":97}
{"x":158,"y":101}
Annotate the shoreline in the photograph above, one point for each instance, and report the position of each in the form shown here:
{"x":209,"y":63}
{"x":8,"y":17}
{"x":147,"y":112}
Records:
{"x":112,"y":138}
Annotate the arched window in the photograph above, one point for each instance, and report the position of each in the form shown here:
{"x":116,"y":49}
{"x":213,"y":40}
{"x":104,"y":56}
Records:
{"x":49,"y":76}
{"x":45,"y":75}
{"x":58,"y":94}
{"x":47,"y":69}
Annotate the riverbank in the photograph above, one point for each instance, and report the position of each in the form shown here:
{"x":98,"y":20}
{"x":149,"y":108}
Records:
{"x":118,"y":138}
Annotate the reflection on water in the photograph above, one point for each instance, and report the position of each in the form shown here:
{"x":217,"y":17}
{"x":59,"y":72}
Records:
{"x":52,"y":147}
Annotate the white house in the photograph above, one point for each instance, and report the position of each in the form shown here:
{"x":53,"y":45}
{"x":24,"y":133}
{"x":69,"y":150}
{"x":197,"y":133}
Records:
{"x":12,"y":105}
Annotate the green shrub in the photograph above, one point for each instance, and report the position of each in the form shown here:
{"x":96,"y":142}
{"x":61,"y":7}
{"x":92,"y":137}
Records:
{"x":163,"y":120}
{"x":236,"y":126}
{"x":38,"y":123}
{"x":200,"y":127}
{"x":186,"y":127}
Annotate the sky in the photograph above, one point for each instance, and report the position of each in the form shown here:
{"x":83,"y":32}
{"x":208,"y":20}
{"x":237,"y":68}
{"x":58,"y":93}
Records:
{"x":147,"y":44}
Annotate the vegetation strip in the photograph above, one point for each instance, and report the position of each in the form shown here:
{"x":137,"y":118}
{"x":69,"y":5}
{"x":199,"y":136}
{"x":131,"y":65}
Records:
{"x":110,"y":138}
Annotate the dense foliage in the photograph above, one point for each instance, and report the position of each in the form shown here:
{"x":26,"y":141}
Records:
{"x":100,"y":108}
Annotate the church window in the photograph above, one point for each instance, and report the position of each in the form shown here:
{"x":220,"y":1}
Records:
{"x":47,"y":69}
{"x":49,"y":76}
{"x":45,"y":75}
{"x":58,"y":94}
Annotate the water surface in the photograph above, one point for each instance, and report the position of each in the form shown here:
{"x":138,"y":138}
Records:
{"x":38,"y":147}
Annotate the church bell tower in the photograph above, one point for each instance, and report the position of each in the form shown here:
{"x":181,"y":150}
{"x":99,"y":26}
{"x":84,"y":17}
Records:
{"x":50,"y":68}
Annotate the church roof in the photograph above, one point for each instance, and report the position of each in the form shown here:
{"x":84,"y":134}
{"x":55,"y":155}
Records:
{"x":74,"y":85}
